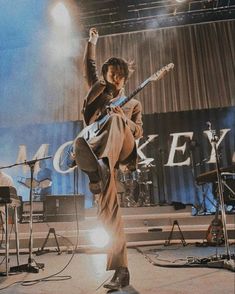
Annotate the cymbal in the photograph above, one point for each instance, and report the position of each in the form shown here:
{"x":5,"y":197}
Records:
{"x":211,"y":176}
{"x":45,"y":183}
{"x":27,"y":182}
{"x":147,"y":161}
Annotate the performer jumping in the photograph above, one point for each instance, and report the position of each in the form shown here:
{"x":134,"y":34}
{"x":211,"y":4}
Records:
{"x":113,"y":144}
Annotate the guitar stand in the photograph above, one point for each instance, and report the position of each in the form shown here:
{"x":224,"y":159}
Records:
{"x":167,"y":242}
{"x":42,"y":250}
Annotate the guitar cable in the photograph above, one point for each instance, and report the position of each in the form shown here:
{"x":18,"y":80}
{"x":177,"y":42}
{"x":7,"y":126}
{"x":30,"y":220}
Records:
{"x":190,"y":261}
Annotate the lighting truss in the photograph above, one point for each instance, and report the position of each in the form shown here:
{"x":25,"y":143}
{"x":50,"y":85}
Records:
{"x":111,"y":16}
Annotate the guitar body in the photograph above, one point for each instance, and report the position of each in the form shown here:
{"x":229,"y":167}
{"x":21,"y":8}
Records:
{"x":215,"y":234}
{"x":90,"y":131}
{"x":87,"y":133}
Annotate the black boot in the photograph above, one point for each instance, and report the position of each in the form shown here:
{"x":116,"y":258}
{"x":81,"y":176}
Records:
{"x":100,"y":178}
{"x":96,"y":169}
{"x":120,"y":279}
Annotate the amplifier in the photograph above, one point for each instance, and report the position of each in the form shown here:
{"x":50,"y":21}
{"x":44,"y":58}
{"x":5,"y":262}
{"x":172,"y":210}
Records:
{"x":38,"y":212}
{"x":64,"y":208}
{"x":37,"y":206}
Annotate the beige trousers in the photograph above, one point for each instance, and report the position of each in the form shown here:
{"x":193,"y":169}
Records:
{"x":114,"y":142}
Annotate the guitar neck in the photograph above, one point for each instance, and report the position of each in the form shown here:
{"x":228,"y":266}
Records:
{"x":124,"y":100}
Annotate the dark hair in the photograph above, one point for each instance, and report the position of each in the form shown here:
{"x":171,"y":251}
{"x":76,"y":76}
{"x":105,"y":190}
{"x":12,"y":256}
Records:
{"x":119,"y":64}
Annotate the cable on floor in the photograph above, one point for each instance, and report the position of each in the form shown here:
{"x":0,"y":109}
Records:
{"x":52,"y":277}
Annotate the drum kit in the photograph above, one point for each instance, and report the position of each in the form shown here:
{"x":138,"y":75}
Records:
{"x":134,"y":186}
{"x":37,"y":186}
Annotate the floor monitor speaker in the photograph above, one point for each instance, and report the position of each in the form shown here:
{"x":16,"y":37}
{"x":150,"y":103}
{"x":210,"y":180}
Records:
{"x":64,"y":208}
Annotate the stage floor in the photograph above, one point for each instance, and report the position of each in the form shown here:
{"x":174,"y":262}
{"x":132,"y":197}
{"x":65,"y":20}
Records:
{"x":86,"y":272}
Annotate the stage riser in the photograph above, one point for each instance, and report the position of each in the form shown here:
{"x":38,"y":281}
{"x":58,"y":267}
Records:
{"x":84,"y":240}
{"x":137,"y":223}
{"x":133,"y":222}
{"x":154,"y":210}
{"x":167,"y":221}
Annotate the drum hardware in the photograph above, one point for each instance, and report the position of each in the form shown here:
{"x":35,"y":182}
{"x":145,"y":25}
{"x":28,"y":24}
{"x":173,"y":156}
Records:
{"x":128,"y":181}
{"x":144,"y":195}
{"x":126,"y":200}
{"x":121,"y":198}
{"x":26,"y":182}
{"x":130,"y":202}
{"x":144,"y":183}
{"x":127,"y":176}
{"x":135,"y":183}
{"x":129,"y":194}
{"x":148,"y":183}
{"x":36,"y":185}
{"x":147,"y":162}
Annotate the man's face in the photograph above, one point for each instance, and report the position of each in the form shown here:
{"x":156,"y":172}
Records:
{"x":115,"y":77}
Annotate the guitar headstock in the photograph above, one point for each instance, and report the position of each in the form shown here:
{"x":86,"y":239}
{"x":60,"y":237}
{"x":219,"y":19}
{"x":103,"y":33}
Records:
{"x":161,"y":72}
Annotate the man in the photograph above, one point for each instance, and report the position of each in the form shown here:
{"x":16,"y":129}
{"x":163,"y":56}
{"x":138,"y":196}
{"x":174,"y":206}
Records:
{"x":114,"y":143}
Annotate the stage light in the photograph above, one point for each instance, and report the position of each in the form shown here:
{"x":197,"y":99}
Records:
{"x":61,"y":15}
{"x":99,"y":237}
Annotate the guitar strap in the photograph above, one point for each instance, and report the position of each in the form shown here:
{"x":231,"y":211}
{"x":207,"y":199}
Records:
{"x":94,"y":102}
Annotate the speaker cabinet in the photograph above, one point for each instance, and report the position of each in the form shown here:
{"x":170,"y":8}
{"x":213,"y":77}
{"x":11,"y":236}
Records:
{"x":64,"y":208}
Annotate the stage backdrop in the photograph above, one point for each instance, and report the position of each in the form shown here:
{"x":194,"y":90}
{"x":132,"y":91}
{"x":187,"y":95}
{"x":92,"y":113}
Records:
{"x":178,"y":144}
{"x":182,"y":150}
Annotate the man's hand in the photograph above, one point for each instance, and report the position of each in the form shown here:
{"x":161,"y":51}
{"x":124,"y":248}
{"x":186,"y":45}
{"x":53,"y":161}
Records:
{"x":93,"y":35}
{"x":118,"y":110}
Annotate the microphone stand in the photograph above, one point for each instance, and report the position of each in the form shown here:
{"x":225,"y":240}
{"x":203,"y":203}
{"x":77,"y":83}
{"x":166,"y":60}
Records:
{"x":32,"y":266}
{"x":197,"y":204}
{"x":221,"y":262}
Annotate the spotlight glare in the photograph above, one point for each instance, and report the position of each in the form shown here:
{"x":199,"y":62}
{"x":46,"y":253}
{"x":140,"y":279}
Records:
{"x":61,"y":15}
{"x":99,"y":237}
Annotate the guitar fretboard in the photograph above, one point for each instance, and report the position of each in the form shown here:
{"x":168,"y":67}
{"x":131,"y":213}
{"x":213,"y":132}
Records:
{"x":123,"y":100}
